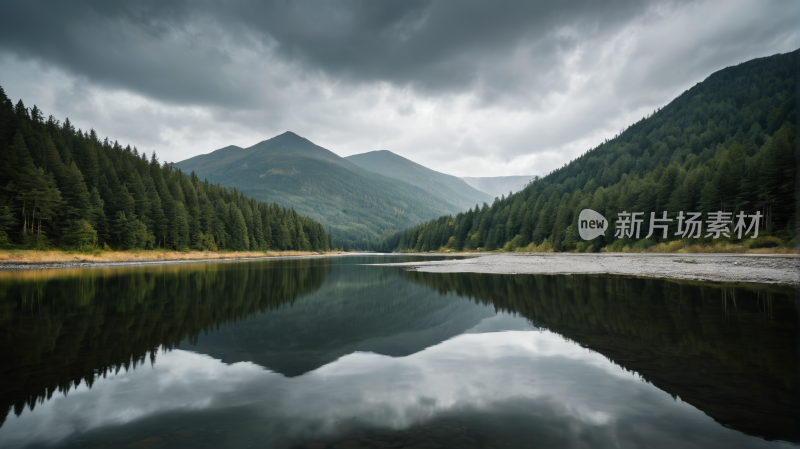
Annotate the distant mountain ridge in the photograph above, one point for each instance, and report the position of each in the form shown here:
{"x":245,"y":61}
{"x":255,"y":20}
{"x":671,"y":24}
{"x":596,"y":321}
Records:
{"x":447,"y":187}
{"x":499,"y":185}
{"x":357,"y":205}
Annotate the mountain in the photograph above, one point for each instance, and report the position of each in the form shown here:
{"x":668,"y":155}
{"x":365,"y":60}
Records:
{"x":499,"y":185}
{"x":357,"y":206}
{"x":87,"y":194}
{"x":727,"y":145}
{"x":446,"y":187}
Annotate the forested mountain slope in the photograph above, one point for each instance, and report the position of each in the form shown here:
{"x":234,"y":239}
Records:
{"x":446,"y":187}
{"x":727,"y":144}
{"x":357,"y":206}
{"x":499,"y":185}
{"x":64,"y":187}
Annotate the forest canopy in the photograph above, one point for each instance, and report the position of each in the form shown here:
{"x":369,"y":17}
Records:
{"x":62,"y":187}
{"x":728,"y":144}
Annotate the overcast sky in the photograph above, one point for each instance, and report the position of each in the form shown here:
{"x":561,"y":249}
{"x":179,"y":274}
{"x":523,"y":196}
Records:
{"x":465,"y":87}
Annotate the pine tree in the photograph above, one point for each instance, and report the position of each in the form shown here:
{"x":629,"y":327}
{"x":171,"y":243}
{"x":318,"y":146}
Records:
{"x":75,"y":194}
{"x":239,"y":238}
{"x":7,"y":223}
{"x":80,"y":235}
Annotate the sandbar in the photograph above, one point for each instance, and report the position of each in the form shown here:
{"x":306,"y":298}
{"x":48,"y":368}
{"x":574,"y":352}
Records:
{"x":736,"y":268}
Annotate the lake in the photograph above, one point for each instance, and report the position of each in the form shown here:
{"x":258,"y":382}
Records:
{"x":333,"y":352}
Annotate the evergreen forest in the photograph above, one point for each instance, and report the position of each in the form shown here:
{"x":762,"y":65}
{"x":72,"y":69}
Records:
{"x":728,"y":144}
{"x":64,"y":188}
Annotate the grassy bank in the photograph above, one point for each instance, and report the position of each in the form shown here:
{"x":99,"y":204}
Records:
{"x":761,"y":245}
{"x":19,"y":256}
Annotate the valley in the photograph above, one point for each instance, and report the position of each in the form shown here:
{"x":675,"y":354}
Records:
{"x":352,"y":197}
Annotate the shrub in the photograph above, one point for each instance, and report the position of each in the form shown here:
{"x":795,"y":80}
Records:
{"x":675,"y":246}
{"x":545,"y":247}
{"x":618,"y":246}
{"x":695,"y":249}
{"x":765,"y":241}
{"x":205,"y":242}
{"x":513,"y":244}
{"x":659,"y":248}
{"x":642,"y":245}
{"x":725,"y":247}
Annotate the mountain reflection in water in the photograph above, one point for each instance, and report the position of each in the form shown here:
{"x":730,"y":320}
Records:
{"x":279,"y":353}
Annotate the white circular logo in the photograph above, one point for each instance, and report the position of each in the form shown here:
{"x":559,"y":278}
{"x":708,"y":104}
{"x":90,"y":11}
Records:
{"x":591,"y":224}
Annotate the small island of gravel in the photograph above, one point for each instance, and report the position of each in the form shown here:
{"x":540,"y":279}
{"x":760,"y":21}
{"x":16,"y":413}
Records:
{"x":745,"y":268}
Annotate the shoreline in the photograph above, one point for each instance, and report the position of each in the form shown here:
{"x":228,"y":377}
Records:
{"x":782,"y":269}
{"x":18,"y":265}
{"x":775,"y":269}
{"x":13,"y":265}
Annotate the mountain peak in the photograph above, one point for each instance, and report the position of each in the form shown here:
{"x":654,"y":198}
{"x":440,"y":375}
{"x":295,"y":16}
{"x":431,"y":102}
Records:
{"x":449,"y":188}
{"x":289,"y":136}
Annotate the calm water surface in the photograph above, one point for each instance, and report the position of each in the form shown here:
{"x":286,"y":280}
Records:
{"x":320,"y":353}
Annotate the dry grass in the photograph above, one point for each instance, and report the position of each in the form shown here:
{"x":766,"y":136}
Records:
{"x":713,"y":249}
{"x":34,"y":256}
{"x":772,"y":251}
{"x":721,"y":249}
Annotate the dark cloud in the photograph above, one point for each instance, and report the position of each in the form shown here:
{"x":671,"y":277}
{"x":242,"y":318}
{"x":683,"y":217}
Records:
{"x":192,"y":51}
{"x":511,"y":87}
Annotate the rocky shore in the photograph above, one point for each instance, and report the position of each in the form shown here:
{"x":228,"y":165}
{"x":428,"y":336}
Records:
{"x":745,"y":268}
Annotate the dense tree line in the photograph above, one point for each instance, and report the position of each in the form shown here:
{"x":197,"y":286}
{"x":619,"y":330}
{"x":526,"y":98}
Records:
{"x":62,"y":187}
{"x":727,"y":144}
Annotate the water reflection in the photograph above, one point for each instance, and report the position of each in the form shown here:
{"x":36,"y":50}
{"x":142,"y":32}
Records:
{"x":62,"y":327}
{"x":330,"y":352}
{"x":730,"y":351}
{"x":360,"y":308}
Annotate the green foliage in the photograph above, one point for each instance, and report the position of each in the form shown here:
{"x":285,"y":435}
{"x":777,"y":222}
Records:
{"x":58,"y":183}
{"x":239,"y":234}
{"x":7,"y":221}
{"x":79,"y":235}
{"x":205,"y":242}
{"x":727,"y":144}
{"x":764,"y":241}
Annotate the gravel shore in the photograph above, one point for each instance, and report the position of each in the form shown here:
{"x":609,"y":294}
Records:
{"x":749,"y":268}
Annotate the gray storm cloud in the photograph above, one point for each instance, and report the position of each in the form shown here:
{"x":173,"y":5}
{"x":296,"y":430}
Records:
{"x":468,"y":87}
{"x":191,"y":52}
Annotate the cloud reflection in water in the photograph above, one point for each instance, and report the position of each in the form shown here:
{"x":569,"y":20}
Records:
{"x":563,"y":392}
